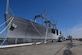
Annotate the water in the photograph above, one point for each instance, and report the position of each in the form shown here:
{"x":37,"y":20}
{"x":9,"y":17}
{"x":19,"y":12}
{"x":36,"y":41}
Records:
{"x":5,"y":43}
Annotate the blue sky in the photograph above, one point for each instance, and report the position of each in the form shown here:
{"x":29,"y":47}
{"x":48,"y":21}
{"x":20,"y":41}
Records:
{"x":66,"y":13}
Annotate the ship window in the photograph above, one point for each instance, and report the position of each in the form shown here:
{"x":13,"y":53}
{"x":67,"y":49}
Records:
{"x":12,"y":28}
{"x":57,"y":32}
{"x":53,"y":31}
{"x":60,"y":32}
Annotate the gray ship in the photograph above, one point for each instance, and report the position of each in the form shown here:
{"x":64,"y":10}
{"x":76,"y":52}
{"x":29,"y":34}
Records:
{"x":20,"y":30}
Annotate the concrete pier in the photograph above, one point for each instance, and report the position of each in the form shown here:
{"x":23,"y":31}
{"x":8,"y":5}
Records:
{"x":55,"y":48}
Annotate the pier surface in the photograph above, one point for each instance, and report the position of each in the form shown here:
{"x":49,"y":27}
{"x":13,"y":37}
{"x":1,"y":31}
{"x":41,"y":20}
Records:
{"x":77,"y":48}
{"x":55,"y":48}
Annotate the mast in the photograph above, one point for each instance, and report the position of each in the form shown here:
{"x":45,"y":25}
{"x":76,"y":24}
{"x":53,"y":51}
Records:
{"x":7,"y":6}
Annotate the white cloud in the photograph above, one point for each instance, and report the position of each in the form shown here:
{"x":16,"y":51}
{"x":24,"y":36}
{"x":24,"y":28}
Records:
{"x":76,"y":31}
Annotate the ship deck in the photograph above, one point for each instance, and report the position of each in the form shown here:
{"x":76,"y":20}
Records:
{"x":55,"y":48}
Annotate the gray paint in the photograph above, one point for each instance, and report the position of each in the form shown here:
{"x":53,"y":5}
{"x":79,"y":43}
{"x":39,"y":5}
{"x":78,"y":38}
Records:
{"x":25,"y":29}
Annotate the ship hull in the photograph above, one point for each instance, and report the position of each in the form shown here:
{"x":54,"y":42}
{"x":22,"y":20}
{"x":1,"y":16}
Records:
{"x":27,"y":31}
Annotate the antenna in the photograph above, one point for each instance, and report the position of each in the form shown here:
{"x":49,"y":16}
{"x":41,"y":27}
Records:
{"x":53,"y":23}
{"x":66,"y":31}
{"x":7,"y":6}
{"x":45,"y":17}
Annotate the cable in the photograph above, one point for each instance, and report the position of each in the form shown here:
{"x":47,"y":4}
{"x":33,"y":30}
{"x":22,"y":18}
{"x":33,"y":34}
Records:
{"x":36,"y":28}
{"x":4,"y":22}
{"x":39,"y":32}
{"x":11,"y":12}
{"x":5,"y":29}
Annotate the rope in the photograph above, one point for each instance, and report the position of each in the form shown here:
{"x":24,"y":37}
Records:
{"x":35,"y":28}
{"x":11,"y":11}
{"x":4,"y":22}
{"x":39,"y":32}
{"x":5,"y":29}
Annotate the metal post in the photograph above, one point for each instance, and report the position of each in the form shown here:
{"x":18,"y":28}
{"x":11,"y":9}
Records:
{"x":46,"y":35}
{"x":7,"y":6}
{"x":15,"y":40}
{"x":42,"y":21}
{"x":71,"y":39}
